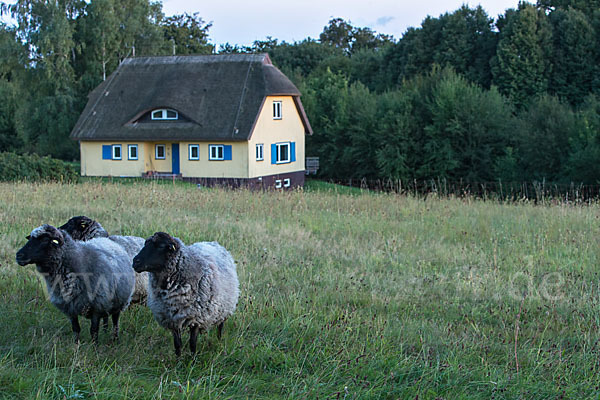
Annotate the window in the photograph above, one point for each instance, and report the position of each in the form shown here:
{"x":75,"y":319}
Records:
{"x":132,"y":152}
{"x":194,"y":152}
{"x":276,"y":110}
{"x":164,"y":114}
{"x":259,"y":152}
{"x":215,"y":152}
{"x":283,"y":153}
{"x":286,"y":182}
{"x":116,"y":152}
{"x":278,"y":184}
{"x":159,"y":152}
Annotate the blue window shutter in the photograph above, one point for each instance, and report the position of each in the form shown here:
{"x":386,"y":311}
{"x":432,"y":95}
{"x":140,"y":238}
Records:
{"x":293,"y":151}
{"x":227,"y":152}
{"x":106,"y":152}
{"x":273,"y":154}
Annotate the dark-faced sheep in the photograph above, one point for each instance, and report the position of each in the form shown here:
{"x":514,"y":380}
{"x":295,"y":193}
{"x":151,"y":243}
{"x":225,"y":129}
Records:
{"x":91,"y":279}
{"x":84,"y":228}
{"x":193,"y":287}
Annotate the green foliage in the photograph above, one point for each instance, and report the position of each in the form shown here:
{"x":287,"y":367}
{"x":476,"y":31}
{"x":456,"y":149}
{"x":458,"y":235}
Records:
{"x":575,"y":52}
{"x":33,"y":168}
{"x":188,"y":33}
{"x":522,"y":65}
{"x":462,"y":40}
{"x":543,"y":138}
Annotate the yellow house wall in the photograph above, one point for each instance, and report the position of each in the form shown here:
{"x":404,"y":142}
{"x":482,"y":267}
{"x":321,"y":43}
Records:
{"x":151,"y":163}
{"x":268,"y":131}
{"x":92,"y":163}
{"x":237,"y":167}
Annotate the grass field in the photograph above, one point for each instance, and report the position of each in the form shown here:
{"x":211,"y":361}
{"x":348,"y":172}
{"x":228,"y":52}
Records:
{"x":345,"y":295}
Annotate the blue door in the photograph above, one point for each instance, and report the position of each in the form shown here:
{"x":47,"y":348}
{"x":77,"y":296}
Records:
{"x":175,"y":158}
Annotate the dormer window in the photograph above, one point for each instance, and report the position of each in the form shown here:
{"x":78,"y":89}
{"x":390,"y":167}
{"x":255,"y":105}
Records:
{"x":164,"y":114}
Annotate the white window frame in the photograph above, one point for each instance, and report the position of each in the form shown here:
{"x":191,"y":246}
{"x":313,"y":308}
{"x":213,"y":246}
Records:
{"x":278,"y":184}
{"x":289,"y":159}
{"x":277,"y":110}
{"x":218,"y":148}
{"x":194,"y":146}
{"x":156,"y":157}
{"x":114,"y":147}
{"x":260,"y":152}
{"x":286,"y":182}
{"x":154,"y":115}
{"x":129,"y":147}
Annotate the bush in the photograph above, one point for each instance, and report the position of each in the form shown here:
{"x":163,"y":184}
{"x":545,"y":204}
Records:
{"x":31,"y":167}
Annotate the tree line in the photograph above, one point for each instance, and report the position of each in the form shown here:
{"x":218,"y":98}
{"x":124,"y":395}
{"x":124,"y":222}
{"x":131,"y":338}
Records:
{"x":464,"y":96}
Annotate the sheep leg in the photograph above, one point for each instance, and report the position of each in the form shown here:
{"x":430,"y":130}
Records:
{"x":105,"y":323}
{"x":194,"y":330}
{"x":76,"y":328}
{"x":220,"y":330}
{"x":115,"y":321}
{"x":177,"y":341}
{"x":94,"y":327}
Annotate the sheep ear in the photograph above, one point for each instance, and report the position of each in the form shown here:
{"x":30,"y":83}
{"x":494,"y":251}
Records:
{"x":28,"y":237}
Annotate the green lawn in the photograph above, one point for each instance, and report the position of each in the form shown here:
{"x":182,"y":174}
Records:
{"x":345,"y":294}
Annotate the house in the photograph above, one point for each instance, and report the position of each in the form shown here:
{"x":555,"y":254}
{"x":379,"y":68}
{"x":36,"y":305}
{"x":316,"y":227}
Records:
{"x":233,"y":119}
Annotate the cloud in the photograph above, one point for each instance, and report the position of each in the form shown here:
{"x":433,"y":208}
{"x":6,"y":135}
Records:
{"x":382,"y":21}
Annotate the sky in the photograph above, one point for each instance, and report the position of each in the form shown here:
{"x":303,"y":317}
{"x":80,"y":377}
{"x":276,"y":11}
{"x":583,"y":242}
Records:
{"x":244,"y":21}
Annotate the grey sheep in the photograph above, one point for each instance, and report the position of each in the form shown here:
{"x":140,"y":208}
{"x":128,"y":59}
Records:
{"x":84,"y":228}
{"x":193,"y":286}
{"x":91,"y":279}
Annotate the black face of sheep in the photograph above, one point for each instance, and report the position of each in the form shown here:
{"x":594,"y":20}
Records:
{"x":81,"y":228}
{"x":156,"y":253}
{"x":41,"y":245}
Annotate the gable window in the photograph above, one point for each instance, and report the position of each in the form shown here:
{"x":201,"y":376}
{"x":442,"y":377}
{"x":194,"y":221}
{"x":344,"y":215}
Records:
{"x":116,"y":152}
{"x":259,"y":152}
{"x":159,"y":152}
{"x":164,"y":114}
{"x":132,"y":152}
{"x":216,"y":152}
{"x":277,"y":110}
{"x":194,"y":152}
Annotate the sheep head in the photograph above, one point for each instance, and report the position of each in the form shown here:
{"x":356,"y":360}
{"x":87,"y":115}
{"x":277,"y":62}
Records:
{"x":156,"y":253}
{"x":80,"y":228}
{"x":43,"y":243}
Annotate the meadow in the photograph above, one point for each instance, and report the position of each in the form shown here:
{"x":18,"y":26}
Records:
{"x":344,"y":295}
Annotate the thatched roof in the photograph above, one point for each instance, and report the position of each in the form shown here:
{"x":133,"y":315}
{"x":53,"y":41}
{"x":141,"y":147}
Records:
{"x":217,"y":96}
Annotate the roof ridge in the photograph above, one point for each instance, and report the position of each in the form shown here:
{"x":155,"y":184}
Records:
{"x":197,"y":58}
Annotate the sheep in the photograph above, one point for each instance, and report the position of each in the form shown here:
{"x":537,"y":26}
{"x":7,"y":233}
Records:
{"x":84,"y":228}
{"x":193,"y":286}
{"x":92,"y":279}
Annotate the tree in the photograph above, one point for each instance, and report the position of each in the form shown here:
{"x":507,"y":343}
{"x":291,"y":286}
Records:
{"x":522,"y":65}
{"x":51,"y":110}
{"x":188,"y":33}
{"x":12,"y":54}
{"x":542,"y":133}
{"x":574,"y":52}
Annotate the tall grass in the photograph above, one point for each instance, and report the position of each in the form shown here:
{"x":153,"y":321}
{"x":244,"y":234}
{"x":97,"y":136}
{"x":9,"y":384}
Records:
{"x":344,"y":295}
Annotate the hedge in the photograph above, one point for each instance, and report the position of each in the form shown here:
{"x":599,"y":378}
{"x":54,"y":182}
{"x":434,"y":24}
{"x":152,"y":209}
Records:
{"x":31,"y":167}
